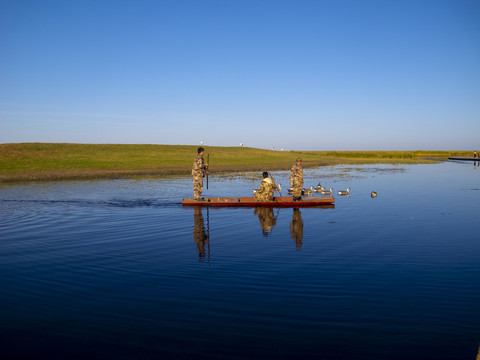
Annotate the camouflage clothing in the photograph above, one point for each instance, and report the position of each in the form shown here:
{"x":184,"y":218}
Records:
{"x":296,"y":180}
{"x":265,"y":193}
{"x":198,"y":172}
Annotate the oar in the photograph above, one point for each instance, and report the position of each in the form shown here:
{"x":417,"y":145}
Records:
{"x":208,"y":162}
{"x":278,"y":187}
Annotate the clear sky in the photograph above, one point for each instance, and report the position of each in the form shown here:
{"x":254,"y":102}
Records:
{"x":296,"y":74}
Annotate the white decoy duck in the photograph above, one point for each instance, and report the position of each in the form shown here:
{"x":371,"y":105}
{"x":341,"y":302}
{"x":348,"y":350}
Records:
{"x":343,"y":192}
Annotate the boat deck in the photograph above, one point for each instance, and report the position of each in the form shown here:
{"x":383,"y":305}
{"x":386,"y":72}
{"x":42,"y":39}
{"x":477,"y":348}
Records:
{"x":286,"y":201}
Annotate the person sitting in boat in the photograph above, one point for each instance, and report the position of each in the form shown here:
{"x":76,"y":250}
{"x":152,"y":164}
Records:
{"x":267,"y":187}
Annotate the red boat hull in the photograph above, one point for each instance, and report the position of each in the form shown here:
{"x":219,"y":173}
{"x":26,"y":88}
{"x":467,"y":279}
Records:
{"x":251,"y":202}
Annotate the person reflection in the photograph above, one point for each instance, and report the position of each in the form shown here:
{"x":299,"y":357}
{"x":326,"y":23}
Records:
{"x":266,"y":218}
{"x":296,"y":228}
{"x":199,"y":235}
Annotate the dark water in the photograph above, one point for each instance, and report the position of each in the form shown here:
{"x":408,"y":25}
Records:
{"x":120,"y":270}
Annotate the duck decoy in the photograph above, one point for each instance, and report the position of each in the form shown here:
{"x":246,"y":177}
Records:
{"x":304,"y":191}
{"x":373,"y":194}
{"x":319,"y":188}
{"x":307,"y":192}
{"x":326,"y":192}
{"x":343,"y":192}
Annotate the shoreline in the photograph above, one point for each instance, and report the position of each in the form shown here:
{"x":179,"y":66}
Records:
{"x":44,"y":162}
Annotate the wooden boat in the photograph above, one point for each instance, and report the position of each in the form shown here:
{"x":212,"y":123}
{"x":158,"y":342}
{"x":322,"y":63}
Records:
{"x":464,"y":158}
{"x":286,"y":201}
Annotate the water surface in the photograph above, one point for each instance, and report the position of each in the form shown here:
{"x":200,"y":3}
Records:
{"x":119,"y":269}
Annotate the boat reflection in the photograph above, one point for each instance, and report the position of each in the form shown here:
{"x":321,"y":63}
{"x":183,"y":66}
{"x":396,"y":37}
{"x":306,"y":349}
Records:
{"x":296,"y":228}
{"x":267,"y":219}
{"x":200,"y":236}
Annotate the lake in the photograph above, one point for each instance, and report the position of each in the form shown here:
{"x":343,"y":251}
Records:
{"x":118,"y":269}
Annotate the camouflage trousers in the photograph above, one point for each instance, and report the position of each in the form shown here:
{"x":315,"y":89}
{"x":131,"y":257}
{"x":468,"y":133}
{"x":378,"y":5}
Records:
{"x":197,"y":187}
{"x":297,"y":191}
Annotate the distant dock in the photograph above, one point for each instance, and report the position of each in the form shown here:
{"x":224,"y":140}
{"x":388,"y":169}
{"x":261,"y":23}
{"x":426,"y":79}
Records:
{"x":464,"y":158}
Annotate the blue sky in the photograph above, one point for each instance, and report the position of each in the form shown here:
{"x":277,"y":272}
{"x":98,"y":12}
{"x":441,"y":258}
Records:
{"x":302,"y":75}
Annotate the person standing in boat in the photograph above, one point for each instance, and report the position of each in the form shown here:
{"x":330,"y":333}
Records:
{"x":267,"y":188}
{"x":296,"y":180}
{"x":199,"y":170}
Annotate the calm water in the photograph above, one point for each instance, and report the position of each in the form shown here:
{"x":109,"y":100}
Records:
{"x":120,"y":270}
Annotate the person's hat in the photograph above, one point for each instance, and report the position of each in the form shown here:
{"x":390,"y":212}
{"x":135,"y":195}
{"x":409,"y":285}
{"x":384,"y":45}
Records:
{"x":200,"y":149}
{"x":299,"y":159}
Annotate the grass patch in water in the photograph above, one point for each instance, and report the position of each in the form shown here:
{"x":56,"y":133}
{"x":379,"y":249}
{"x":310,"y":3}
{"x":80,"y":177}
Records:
{"x":347,"y":173}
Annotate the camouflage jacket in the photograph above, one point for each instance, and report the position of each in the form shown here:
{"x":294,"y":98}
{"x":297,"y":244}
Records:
{"x":296,"y":176}
{"x":198,"y":169}
{"x":267,"y":188}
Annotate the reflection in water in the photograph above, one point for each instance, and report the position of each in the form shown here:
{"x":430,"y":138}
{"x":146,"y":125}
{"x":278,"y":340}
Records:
{"x":296,"y":227}
{"x":266,"y":218}
{"x":199,"y":235}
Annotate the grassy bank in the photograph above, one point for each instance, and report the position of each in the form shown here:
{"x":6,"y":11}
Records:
{"x":53,"y":161}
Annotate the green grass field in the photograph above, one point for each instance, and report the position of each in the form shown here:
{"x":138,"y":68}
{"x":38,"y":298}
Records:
{"x":54,"y":161}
